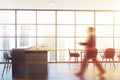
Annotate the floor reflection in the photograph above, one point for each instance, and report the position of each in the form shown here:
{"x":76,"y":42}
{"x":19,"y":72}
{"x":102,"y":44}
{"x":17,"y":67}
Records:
{"x":86,"y":78}
{"x":102,"y":78}
{"x":63,"y":71}
{"x":30,"y":79}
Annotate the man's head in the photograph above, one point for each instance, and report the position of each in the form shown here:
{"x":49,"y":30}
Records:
{"x":90,"y":30}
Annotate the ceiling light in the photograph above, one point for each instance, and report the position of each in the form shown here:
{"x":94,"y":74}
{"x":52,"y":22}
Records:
{"x":52,"y":3}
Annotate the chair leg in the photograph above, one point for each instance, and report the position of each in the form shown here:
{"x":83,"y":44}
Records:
{"x":4,"y":67}
{"x":113,"y":63}
{"x":119,"y":61}
{"x":77,"y":59}
{"x":110,"y":62}
{"x":105,"y":62}
{"x":69,"y":59}
{"x":8,"y":66}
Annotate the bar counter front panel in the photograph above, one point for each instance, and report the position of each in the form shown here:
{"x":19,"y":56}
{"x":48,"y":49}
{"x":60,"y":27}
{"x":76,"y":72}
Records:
{"x":29,"y":63}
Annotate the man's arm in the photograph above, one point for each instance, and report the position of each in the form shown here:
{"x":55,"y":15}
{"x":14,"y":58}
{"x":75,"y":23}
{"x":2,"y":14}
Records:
{"x":83,"y":43}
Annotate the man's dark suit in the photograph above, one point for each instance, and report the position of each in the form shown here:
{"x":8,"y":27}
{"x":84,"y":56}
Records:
{"x":91,"y":53}
{"x":89,"y":45}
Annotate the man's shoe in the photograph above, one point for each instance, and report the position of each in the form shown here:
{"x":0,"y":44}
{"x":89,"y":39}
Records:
{"x":101,"y":74}
{"x":79,"y":74}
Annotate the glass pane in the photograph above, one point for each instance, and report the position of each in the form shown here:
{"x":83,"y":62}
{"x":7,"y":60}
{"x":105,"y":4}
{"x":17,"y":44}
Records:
{"x":84,"y":17}
{"x":1,"y":56}
{"x":117,"y":18}
{"x":51,"y":56}
{"x":26,"y":42}
{"x":62,"y":56}
{"x":46,"y":30}
{"x":26,"y":30}
{"x":104,"y":17}
{"x":46,"y":17}
{"x":117,"y":43}
{"x":7,"y":30}
{"x":65,"y":43}
{"x":26,"y":17}
{"x":81,"y":30}
{"x":103,"y":43}
{"x":7,"y":43}
{"x":104,"y":30}
{"x":65,"y":30}
{"x":65,"y":17}
{"x":7,"y":17}
{"x":117,"y":30}
{"x":46,"y":42}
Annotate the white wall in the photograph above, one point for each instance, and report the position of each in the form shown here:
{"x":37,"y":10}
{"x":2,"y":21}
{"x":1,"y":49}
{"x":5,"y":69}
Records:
{"x":61,"y":4}
{"x":7,"y":4}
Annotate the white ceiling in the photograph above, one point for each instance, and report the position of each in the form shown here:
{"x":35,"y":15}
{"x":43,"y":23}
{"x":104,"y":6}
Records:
{"x":61,"y":4}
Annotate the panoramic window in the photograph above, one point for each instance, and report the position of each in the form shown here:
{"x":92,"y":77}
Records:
{"x":58,"y":30}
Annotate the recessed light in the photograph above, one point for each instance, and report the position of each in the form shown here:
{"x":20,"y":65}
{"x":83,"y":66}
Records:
{"x":52,"y":3}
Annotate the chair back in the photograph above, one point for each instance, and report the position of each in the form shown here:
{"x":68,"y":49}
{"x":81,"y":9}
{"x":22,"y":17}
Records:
{"x":70,"y":51}
{"x":73,"y":54}
{"x":109,"y":53}
{"x":5,"y":55}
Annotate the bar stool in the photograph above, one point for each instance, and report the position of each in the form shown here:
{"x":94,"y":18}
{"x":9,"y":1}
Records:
{"x":109,"y":54}
{"x":8,"y":59}
{"x":73,"y":54}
